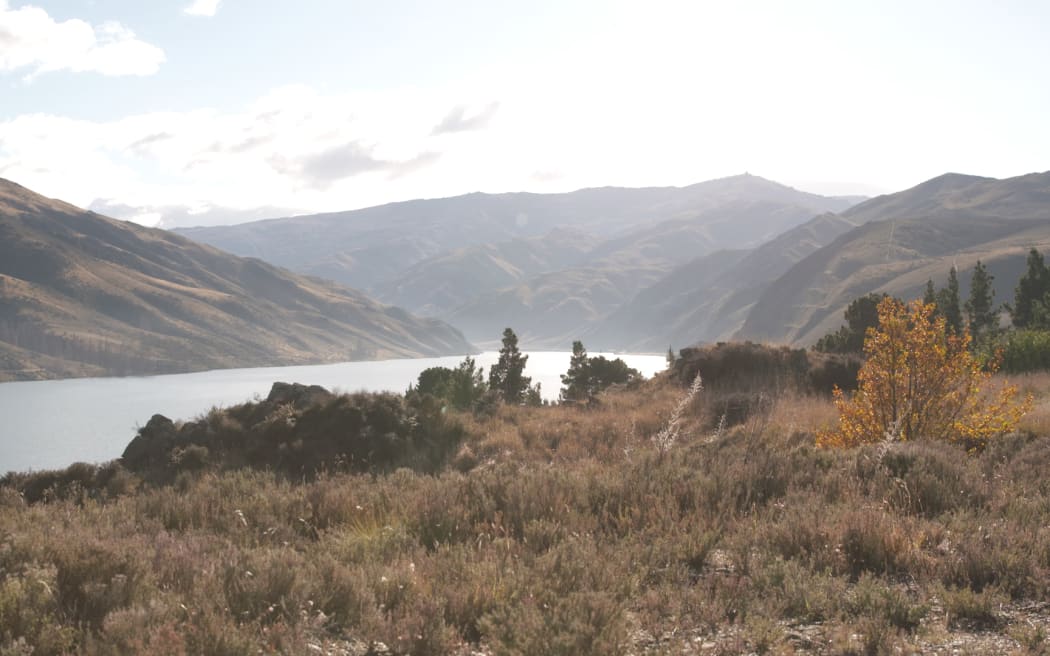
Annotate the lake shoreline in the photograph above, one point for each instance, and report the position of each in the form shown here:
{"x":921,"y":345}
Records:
{"x":52,"y":423}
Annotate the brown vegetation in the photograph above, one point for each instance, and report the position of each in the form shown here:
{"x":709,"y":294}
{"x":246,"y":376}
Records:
{"x":550,"y":530}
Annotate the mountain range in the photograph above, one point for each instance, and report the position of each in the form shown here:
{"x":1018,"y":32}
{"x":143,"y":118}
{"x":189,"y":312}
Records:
{"x":82,"y":294}
{"x":642,"y":269}
{"x":739,"y":258}
{"x":550,"y":265}
{"x":901,"y":241}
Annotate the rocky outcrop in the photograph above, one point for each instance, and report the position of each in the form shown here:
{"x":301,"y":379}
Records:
{"x":299,"y":395}
{"x":151,"y":447}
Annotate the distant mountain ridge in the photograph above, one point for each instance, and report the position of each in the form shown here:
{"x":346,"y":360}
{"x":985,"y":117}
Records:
{"x":81,"y":294}
{"x":551,"y":265}
{"x":902,"y":240}
{"x":709,"y":298}
{"x":451,"y":279}
{"x":364,"y":247}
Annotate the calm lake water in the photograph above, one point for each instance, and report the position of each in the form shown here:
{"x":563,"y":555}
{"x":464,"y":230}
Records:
{"x":51,"y":424}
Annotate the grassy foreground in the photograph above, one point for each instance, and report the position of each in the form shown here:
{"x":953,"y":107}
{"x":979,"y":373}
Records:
{"x":602,"y":530}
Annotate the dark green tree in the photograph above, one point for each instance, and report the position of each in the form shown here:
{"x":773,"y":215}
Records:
{"x":533,"y":397}
{"x":948,"y":304}
{"x":863,"y":313}
{"x":576,"y":381}
{"x":1030,"y":296}
{"x":467,"y":385}
{"x":587,"y":376}
{"x":434,"y":381}
{"x":507,"y":377}
{"x":670,"y":357}
{"x":930,"y":297}
{"x":605,"y":373}
{"x":983,"y":319}
{"x":460,"y":388}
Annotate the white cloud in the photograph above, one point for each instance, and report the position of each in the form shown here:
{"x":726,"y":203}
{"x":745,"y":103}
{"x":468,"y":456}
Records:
{"x":203,"y":8}
{"x":457,"y":119}
{"x":292,"y":150}
{"x":30,"y":39}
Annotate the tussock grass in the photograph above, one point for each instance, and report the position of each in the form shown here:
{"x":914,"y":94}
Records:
{"x":551,"y":531}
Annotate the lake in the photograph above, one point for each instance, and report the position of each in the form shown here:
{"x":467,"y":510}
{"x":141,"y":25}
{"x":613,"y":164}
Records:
{"x":54,"y":423}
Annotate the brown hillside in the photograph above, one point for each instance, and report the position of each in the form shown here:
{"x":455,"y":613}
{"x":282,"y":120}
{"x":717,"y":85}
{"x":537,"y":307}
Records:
{"x":81,"y":294}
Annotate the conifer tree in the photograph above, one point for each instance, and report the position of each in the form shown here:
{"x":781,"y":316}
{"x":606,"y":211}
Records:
{"x":948,"y":304}
{"x":983,"y":319}
{"x":860,"y":315}
{"x":576,"y":381}
{"x":1031,"y":293}
{"x":467,"y":384}
{"x":506,"y":377}
{"x":930,"y":297}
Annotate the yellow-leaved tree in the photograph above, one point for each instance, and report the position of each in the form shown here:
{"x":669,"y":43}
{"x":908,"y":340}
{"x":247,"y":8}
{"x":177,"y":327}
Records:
{"x":920,"y":381}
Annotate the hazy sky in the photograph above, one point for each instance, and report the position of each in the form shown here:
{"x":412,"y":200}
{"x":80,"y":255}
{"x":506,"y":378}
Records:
{"x":198,"y":111}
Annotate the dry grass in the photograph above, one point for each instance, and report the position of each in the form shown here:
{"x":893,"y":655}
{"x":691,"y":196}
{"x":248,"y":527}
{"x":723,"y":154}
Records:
{"x":1038,"y":385}
{"x":555,"y":531}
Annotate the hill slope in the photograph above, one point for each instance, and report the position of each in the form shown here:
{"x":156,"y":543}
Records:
{"x":374,"y":247}
{"x":451,"y":279}
{"x":81,"y":294}
{"x":905,"y":239}
{"x":708,"y":298}
{"x":557,"y":305}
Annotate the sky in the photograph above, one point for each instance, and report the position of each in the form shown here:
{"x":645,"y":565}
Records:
{"x":196,"y":112}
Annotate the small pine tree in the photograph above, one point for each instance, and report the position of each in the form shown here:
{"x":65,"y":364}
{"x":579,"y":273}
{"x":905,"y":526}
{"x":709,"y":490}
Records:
{"x":576,"y":381}
{"x":507,"y":377}
{"x":467,"y":384}
{"x":983,"y":320}
{"x":670,"y":357}
{"x":861,"y":315}
{"x":1031,"y":293}
{"x":930,"y":296}
{"x":948,"y":304}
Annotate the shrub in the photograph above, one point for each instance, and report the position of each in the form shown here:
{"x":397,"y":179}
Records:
{"x":91,"y":580}
{"x":919,"y":381}
{"x":461,"y":388}
{"x":1026,"y":350}
{"x":757,"y":368}
{"x":301,"y":431}
{"x":978,"y":610}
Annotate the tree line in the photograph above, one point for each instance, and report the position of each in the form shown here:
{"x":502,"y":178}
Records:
{"x":466,"y":387}
{"x":1023,"y":345}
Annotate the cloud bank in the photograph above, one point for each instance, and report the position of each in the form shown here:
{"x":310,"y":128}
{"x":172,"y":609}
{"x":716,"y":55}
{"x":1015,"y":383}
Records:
{"x":32,"y":41}
{"x":291,"y":151}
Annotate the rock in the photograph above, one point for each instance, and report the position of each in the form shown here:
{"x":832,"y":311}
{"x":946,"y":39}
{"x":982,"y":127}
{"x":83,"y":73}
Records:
{"x":152,"y":444}
{"x":299,"y":395}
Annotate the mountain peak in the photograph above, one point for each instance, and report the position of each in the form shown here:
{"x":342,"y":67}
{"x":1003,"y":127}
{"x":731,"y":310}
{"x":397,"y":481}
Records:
{"x":950,"y":181}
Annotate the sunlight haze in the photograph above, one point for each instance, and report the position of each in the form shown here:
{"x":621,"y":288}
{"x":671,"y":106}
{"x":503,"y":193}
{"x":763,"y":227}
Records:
{"x":186,"y":113}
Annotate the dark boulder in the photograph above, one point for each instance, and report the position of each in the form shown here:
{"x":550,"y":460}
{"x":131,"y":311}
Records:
{"x":150,"y":448}
{"x":299,"y":395}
